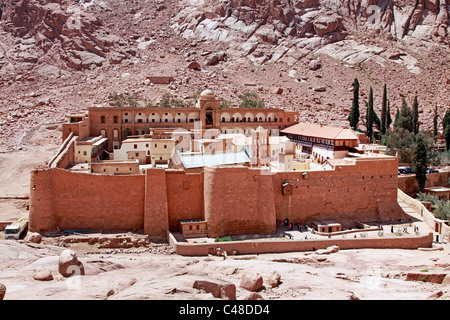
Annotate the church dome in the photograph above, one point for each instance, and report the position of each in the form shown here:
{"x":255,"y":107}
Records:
{"x":207,"y":94}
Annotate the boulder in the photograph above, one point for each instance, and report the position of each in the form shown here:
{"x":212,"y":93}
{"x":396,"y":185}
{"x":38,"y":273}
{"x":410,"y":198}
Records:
{"x":218,"y":290}
{"x":254,"y":296}
{"x":324,"y":24}
{"x":2,"y":291}
{"x":277,"y":90}
{"x":274,"y":279}
{"x":69,"y":264}
{"x":33,"y":237}
{"x":215,"y":58}
{"x":314,"y":65}
{"x":331,"y":249}
{"x":252,"y":282}
{"x":42,"y":274}
{"x":320,"y":89}
{"x":193,"y":65}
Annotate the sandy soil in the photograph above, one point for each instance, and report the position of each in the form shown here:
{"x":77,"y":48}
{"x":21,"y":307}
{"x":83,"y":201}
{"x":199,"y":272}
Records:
{"x":346,"y":274}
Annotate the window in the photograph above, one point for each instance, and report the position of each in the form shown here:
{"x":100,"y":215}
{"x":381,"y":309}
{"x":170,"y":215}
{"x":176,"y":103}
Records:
{"x":146,"y":145}
{"x":115,"y":119}
{"x":160,"y":158}
{"x":288,"y":119}
{"x":102,"y":119}
{"x":165,"y":146}
{"x":84,"y":153}
{"x":135,"y":146}
{"x":156,"y":145}
{"x":137,"y":154}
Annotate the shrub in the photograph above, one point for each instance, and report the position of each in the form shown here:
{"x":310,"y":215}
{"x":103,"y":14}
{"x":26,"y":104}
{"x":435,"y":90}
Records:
{"x":224,"y":239}
{"x":124,"y":99}
{"x":251,"y":100}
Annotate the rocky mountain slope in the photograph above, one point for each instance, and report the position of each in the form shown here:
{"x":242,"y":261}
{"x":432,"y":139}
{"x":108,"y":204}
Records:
{"x":62,"y":56}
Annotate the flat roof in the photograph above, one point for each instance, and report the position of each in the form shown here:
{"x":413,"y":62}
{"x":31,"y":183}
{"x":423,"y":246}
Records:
{"x":203,"y":160}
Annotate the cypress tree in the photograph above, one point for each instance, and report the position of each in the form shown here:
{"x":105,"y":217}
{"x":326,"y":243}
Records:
{"x":388,"y":117}
{"x":369,"y":116}
{"x":435,"y":122}
{"x":384,"y":111}
{"x":419,"y":161}
{"x":406,"y":120}
{"x":397,"y":118}
{"x":446,"y":128}
{"x":415,"y":112}
{"x":353,"y":117}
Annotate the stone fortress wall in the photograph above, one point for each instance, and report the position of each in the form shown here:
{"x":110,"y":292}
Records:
{"x":233,"y":200}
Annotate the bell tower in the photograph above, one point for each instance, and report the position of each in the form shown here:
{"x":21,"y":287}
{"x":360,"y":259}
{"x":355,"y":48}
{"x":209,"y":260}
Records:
{"x":209,"y":106}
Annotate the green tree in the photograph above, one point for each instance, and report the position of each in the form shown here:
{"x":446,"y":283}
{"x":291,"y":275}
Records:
{"x":405,"y":119}
{"x":251,"y":100}
{"x":446,"y":128}
{"x":415,"y":112}
{"x":370,"y":116}
{"x":419,"y":160}
{"x":435,"y":122}
{"x":397,"y":118}
{"x":388,"y":117}
{"x":400,"y":142}
{"x":167,"y":101}
{"x":384,"y":111}
{"x":353,"y":117}
{"x":123,"y":99}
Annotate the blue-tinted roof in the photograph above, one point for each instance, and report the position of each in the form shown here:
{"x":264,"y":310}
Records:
{"x":202,"y":160}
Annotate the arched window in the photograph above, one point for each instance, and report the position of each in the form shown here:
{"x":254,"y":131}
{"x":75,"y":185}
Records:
{"x":102,"y":119}
{"x":223,"y":119}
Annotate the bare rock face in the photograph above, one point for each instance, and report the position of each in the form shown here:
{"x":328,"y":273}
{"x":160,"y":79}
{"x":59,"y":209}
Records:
{"x":2,"y":291}
{"x":69,"y":264}
{"x":252,"y":282}
{"x":282,"y":29}
{"x":58,"y":30}
{"x":218,"y":290}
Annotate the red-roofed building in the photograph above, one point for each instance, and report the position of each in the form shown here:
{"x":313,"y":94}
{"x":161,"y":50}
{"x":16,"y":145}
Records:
{"x":321,"y":143}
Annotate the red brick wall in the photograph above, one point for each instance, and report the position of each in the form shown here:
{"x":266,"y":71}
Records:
{"x":408,"y":184}
{"x":233,"y":200}
{"x":340,"y":194}
{"x":70,"y":200}
{"x":80,"y":129}
{"x":184,"y":196}
{"x":238,"y":200}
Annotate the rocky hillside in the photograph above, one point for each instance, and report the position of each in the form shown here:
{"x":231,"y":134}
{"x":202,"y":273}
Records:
{"x":61,"y":56}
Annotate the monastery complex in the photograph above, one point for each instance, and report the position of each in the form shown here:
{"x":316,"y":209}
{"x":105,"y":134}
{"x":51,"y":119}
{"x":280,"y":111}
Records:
{"x":208,"y":171}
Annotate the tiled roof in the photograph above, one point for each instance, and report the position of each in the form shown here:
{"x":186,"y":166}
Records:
{"x":319,"y":131}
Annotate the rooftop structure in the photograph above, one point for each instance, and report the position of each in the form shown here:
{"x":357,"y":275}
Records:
{"x":320,"y":143}
{"x":118,"y":123}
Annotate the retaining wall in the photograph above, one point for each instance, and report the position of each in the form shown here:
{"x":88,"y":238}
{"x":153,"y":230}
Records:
{"x":279,"y":246}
